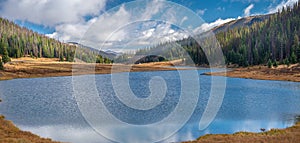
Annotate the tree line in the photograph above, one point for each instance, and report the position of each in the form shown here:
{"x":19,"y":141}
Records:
{"x":16,"y":42}
{"x":272,"y":41}
{"x":275,"y":40}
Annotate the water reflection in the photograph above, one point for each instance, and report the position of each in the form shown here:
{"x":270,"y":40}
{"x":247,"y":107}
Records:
{"x":77,"y":134}
{"x":67,"y":133}
{"x":49,"y":109}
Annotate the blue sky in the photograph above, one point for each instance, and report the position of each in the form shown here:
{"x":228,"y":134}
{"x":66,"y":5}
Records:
{"x":68,"y":20}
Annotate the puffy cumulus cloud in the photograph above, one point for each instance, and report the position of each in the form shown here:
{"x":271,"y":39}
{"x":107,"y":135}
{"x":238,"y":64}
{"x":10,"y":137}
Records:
{"x":113,"y":29}
{"x":107,"y":29}
{"x":129,"y":28}
{"x":163,"y":33}
{"x":95,"y":30}
{"x":283,"y":4}
{"x":51,"y":12}
{"x":66,"y":17}
{"x":247,"y":11}
{"x":142,"y":34}
{"x":71,"y":31}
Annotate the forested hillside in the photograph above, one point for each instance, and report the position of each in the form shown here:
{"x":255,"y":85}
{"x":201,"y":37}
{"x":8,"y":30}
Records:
{"x":16,"y":42}
{"x":275,"y":40}
{"x":246,"y":21}
{"x":19,"y":42}
{"x":272,"y":39}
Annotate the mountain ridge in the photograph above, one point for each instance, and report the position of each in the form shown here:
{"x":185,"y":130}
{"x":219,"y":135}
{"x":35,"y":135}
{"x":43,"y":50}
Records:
{"x":241,"y":22}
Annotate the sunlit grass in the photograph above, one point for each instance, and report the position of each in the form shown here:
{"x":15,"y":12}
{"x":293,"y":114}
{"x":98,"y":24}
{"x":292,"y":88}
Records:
{"x":289,"y":135}
{"x":9,"y":133}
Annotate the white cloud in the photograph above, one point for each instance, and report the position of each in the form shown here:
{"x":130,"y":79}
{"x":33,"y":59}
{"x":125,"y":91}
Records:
{"x":183,"y":20}
{"x":51,"y":12}
{"x":282,"y":5}
{"x":221,"y":8}
{"x":247,"y":10}
{"x":139,"y":35}
{"x":201,"y":12}
{"x":71,"y":31}
{"x":243,"y":1}
{"x":119,"y":29}
{"x":208,"y":26}
{"x":152,"y":8}
{"x":67,"y":18}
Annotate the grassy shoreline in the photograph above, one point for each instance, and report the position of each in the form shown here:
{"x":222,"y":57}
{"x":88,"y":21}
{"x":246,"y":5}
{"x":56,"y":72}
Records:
{"x":9,"y":133}
{"x":43,"y":67}
{"x":281,"y":73}
{"x":288,"y":135}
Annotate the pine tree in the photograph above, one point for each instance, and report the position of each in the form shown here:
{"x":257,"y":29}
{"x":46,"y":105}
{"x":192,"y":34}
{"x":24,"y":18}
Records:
{"x":270,"y":64}
{"x":5,"y":57}
{"x":275,"y":64}
{"x":1,"y":65}
{"x":293,"y":58}
{"x":287,"y":62}
{"x":298,"y":53}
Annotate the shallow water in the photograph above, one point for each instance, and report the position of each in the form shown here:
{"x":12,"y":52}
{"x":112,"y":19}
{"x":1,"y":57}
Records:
{"x":47,"y":106}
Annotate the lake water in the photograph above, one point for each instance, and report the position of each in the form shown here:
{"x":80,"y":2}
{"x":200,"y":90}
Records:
{"x":47,"y":106}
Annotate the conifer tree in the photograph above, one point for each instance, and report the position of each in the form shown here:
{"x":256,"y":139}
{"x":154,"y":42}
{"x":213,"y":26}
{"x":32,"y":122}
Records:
{"x":5,"y":57}
{"x":1,"y":65}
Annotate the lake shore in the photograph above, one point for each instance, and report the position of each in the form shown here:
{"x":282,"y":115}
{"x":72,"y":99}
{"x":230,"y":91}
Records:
{"x":31,"y":68}
{"x":288,"y":135}
{"x":9,"y":133}
{"x":282,"y":72}
{"x":43,"y":67}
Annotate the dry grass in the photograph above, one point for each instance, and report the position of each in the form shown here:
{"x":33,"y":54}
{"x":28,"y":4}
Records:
{"x":291,"y":73}
{"x":163,"y":64}
{"x":9,"y":133}
{"x":43,"y":67}
{"x":289,"y":135}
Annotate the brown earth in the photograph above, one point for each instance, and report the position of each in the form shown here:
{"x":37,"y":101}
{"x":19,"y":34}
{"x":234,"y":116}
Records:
{"x":289,"y":135}
{"x":291,"y":73}
{"x":9,"y":133}
{"x":42,"y":67}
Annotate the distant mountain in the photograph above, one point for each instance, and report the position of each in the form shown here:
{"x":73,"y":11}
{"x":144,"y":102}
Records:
{"x":246,"y":21}
{"x":108,"y":54}
{"x":112,"y":52}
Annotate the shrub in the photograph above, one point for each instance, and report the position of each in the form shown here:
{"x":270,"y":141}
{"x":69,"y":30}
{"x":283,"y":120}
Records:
{"x":275,"y":64}
{"x":270,"y":63}
{"x":286,"y":62}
